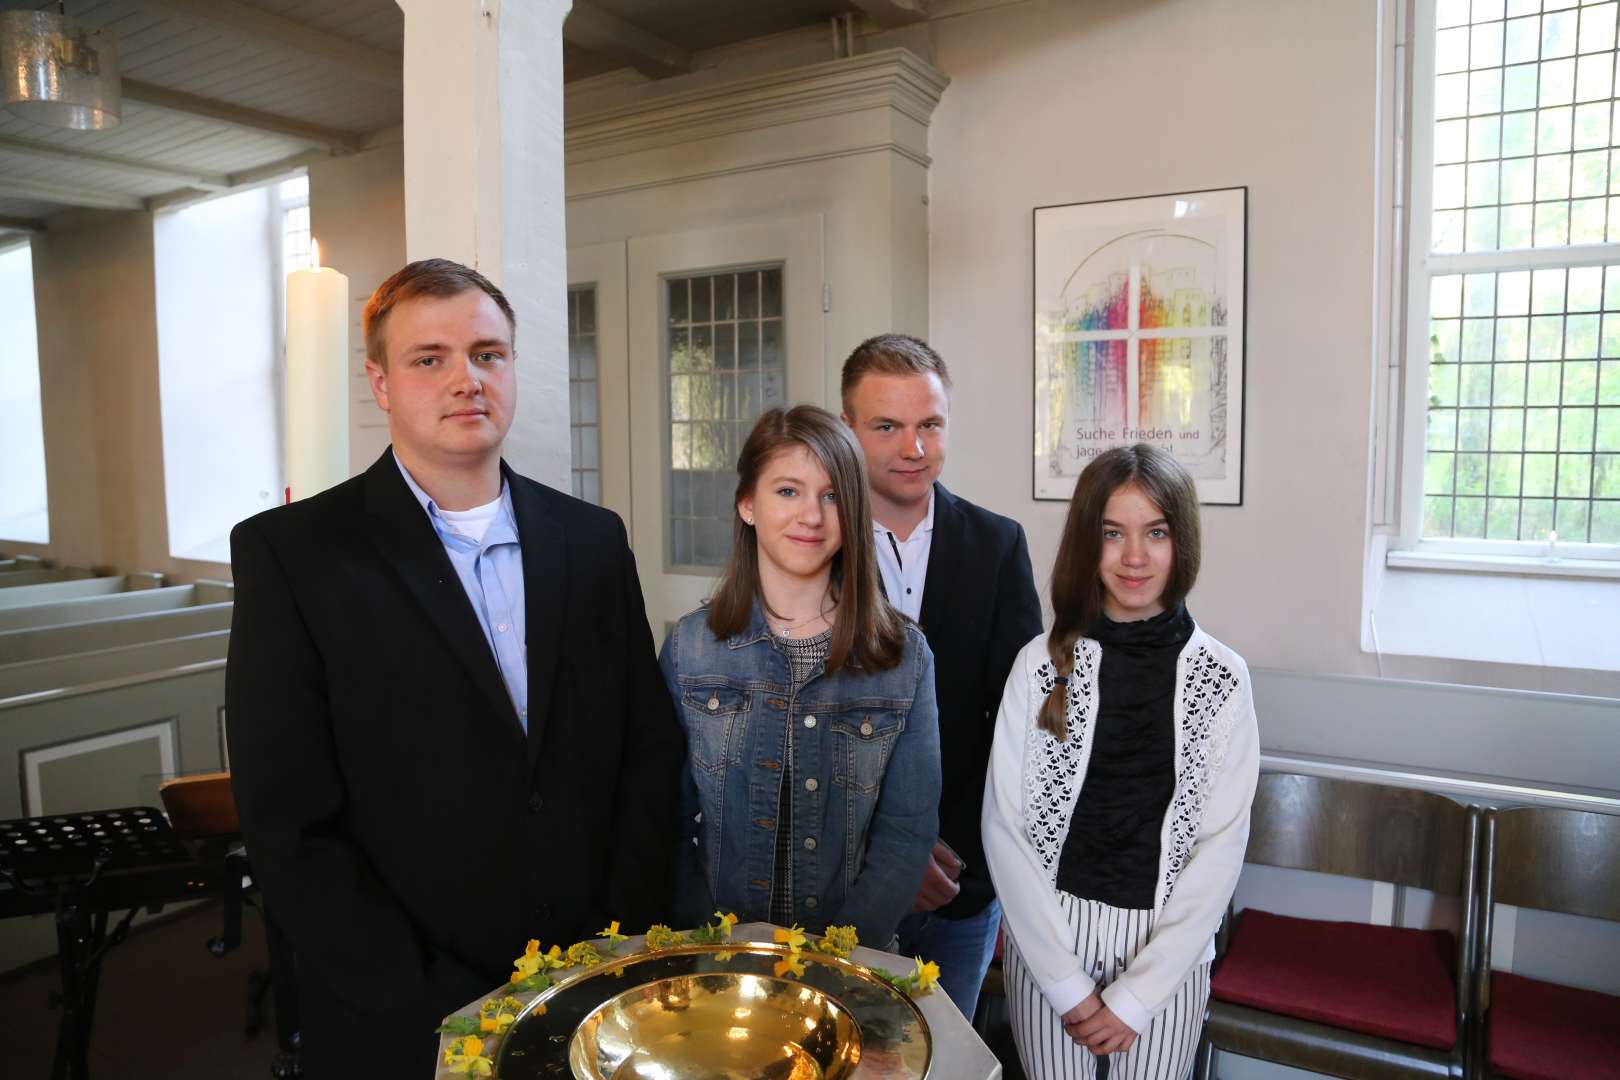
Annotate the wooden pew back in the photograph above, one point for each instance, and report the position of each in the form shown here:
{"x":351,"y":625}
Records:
{"x":66,"y":639}
{"x":102,"y":665}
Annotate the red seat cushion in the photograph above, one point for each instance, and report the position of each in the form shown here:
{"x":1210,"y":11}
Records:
{"x":1388,"y":981}
{"x":1543,"y":1031}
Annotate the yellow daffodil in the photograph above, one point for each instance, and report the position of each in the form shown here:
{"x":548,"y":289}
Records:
{"x":611,"y":932}
{"x":496,"y":1015}
{"x":466,"y":1056}
{"x":789,"y":963}
{"x":793,"y":938}
{"x":926,"y":976}
{"x":727,"y":921}
{"x":528,"y":963}
{"x":724,"y":955}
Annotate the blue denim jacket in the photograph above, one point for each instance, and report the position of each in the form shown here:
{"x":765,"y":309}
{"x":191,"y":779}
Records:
{"x":866,"y":784}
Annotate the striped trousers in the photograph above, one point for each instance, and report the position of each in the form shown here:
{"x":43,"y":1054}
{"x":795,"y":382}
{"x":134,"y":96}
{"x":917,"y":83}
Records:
{"x":1106,"y":939}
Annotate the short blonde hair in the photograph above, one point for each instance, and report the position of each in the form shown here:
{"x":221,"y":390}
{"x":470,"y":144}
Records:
{"x":891,"y":354}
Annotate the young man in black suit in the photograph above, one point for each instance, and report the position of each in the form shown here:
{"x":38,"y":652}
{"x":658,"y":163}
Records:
{"x":448,"y":730}
{"x":963,"y":574}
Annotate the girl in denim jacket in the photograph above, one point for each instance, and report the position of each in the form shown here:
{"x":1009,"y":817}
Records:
{"x":812,"y":782}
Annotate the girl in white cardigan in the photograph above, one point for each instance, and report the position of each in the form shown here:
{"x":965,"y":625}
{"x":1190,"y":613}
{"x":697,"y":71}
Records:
{"x":1117,"y":806}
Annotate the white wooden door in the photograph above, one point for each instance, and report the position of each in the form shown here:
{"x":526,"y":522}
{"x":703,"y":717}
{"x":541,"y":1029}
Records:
{"x":722,"y":324}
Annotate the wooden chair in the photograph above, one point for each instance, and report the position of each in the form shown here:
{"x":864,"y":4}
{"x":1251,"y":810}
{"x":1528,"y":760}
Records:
{"x":1340,"y":998}
{"x":1551,"y":860}
{"x":202,"y":809}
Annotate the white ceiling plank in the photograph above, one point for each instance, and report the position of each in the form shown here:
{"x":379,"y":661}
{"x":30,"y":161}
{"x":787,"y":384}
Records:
{"x":65,"y":195}
{"x":32,"y":148}
{"x":606,"y":34}
{"x":244,"y":179}
{"x":236,"y":116}
{"x":375,"y":66}
{"x":892,"y":13}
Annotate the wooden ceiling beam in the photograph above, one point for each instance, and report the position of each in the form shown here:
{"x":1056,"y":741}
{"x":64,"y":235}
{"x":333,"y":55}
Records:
{"x":263,"y":123}
{"x":21,"y":224}
{"x":893,"y":13}
{"x":377,"y":66}
{"x":601,"y":32}
{"x":69,"y":195}
{"x":210,"y":181}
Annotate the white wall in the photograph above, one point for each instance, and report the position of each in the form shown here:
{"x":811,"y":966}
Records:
{"x":22,"y":439}
{"x":217,"y":266}
{"x":1056,"y":102}
{"x":357,"y":212}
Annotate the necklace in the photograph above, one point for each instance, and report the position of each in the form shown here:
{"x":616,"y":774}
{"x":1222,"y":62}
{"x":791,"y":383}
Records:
{"x":781,"y":629}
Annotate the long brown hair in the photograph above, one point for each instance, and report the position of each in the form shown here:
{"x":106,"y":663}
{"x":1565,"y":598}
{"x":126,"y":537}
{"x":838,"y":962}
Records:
{"x":866,"y":628}
{"x":1077,"y":589}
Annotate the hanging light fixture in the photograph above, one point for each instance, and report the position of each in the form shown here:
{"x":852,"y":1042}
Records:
{"x":55,"y":70}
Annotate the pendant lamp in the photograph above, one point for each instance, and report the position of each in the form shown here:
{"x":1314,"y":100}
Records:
{"x":55,"y":70}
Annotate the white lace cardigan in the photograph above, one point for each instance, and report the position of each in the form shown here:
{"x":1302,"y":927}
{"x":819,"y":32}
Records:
{"x":1030,"y":796}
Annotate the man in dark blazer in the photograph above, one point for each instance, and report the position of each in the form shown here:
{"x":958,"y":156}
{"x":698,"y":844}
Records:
{"x":963,"y":574}
{"x":447,"y":727}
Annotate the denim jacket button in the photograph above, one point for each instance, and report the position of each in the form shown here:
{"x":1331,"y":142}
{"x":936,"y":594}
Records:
{"x":809,"y":721}
{"x":810,"y":902}
{"x":811,"y":784}
{"x":714,"y":702}
{"x":809,"y":843}
{"x":866,"y":727}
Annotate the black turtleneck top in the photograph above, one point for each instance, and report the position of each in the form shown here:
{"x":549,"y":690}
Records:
{"x":1111,"y":853}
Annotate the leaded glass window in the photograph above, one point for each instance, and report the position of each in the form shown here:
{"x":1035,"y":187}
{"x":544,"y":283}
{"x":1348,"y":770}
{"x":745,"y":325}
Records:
{"x":726,"y":363}
{"x":1523,"y":274}
{"x":584,"y":398}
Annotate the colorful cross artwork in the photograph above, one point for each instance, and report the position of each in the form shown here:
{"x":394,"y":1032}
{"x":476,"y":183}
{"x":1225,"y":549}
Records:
{"x":1139,"y":316}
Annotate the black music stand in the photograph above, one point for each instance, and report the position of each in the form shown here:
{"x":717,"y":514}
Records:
{"x":84,"y":867}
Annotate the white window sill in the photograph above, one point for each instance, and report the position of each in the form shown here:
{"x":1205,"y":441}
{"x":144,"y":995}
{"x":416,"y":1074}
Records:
{"x":1536,"y":565}
{"x":1536,"y":619}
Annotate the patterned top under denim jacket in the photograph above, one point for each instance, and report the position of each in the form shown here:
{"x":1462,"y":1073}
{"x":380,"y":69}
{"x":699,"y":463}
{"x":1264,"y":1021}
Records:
{"x":865,"y":794}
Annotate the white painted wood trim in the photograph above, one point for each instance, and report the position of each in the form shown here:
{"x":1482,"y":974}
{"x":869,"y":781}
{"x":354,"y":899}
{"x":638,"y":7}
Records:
{"x":163,"y":731}
{"x":892,"y":78}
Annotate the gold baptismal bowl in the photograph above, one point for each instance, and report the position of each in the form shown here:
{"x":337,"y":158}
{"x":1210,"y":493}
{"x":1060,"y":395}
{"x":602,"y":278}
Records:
{"x":717,"y":1026}
{"x":719,"y":1012}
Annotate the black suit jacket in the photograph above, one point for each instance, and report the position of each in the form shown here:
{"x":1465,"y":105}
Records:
{"x":979,"y":609}
{"x":407,"y":835}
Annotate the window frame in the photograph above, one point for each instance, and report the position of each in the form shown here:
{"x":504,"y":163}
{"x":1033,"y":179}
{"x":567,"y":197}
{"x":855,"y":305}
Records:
{"x":1409,"y":548}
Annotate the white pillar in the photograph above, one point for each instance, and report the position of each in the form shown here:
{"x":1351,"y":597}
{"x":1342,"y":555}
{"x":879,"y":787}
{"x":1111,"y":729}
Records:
{"x":484,"y":185}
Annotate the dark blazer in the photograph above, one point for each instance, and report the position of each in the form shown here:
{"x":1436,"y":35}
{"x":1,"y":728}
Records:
{"x":979,"y":609}
{"x":407,"y":836}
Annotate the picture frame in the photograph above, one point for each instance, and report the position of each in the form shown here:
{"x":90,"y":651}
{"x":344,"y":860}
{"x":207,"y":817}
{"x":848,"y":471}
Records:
{"x":1140,"y":310}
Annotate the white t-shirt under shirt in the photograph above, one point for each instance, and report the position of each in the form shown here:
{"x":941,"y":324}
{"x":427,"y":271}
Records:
{"x":473,"y":523}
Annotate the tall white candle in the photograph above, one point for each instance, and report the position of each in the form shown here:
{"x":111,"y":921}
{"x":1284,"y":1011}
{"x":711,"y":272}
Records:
{"x":317,"y":379}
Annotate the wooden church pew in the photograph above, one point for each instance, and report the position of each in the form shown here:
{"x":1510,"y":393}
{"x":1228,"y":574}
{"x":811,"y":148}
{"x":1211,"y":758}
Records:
{"x":77,"y":669}
{"x":99,"y":746}
{"x":33,"y":576}
{"x":111,"y":631}
{"x":86,"y":608}
{"x":50,"y":592}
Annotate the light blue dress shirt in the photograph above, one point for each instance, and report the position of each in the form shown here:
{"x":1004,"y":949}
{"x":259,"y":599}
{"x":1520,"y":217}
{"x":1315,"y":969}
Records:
{"x":491,"y":572}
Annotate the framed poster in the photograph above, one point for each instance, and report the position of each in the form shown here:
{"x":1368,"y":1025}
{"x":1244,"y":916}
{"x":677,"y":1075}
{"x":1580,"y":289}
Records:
{"x":1139,"y":317}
